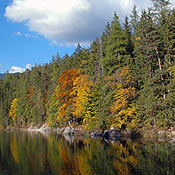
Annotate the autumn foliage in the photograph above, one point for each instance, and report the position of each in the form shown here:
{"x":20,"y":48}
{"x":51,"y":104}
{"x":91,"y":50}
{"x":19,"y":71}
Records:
{"x":75,"y":100}
{"x":122,"y":109}
{"x":65,"y":95}
{"x":13,"y":108}
{"x":82,"y":93}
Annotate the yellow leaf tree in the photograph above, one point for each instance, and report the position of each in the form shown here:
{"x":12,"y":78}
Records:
{"x":13,"y":108}
{"x":122,"y":109}
{"x":82,"y":92}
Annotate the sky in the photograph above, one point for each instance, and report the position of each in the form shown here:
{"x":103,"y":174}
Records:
{"x":32,"y":31}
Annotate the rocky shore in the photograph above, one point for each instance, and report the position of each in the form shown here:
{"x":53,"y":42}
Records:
{"x":112,"y":134}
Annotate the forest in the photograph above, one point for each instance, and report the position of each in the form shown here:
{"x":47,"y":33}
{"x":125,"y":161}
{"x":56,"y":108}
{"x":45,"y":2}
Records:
{"x":124,"y":80}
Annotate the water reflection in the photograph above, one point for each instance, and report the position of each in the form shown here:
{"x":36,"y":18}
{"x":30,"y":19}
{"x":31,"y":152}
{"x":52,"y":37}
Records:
{"x":24,"y":153}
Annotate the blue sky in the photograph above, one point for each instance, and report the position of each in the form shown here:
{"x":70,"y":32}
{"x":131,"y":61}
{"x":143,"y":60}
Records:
{"x":19,"y":46}
{"x":32,"y":31}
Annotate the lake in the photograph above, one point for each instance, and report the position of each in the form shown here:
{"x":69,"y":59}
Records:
{"x":25,"y":153}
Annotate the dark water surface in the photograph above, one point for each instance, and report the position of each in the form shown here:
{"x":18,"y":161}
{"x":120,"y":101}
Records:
{"x":24,"y":153}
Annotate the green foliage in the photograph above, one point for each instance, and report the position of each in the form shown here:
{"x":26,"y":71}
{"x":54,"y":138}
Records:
{"x":52,"y":110}
{"x":116,"y":48}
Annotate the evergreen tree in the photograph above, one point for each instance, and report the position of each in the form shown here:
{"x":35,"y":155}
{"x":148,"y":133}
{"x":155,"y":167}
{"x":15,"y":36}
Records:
{"x":134,"y":18}
{"x":94,"y":66}
{"x":147,"y":63}
{"x":80,"y":58}
{"x":116,"y":48}
{"x":56,"y":69}
{"x":160,"y":5}
{"x":129,"y":46}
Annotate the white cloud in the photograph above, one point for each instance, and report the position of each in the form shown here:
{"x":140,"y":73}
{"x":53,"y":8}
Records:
{"x":69,"y":21}
{"x":15,"y":69}
{"x":17,"y":33}
{"x":28,"y":35}
{"x":28,"y":66}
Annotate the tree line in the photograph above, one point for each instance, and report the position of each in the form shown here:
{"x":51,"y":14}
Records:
{"x":125,"y":79}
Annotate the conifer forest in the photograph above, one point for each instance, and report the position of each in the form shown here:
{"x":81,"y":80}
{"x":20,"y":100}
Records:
{"x":125,"y":79}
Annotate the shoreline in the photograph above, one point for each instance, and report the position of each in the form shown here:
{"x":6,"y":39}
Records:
{"x":111,"y":135}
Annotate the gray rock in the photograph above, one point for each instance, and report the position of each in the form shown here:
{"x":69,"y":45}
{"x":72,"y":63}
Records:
{"x":112,"y":134}
{"x":62,"y":129}
{"x":95,"y":134}
{"x":58,"y":130}
{"x":45,"y":128}
{"x":106,"y":134}
{"x":69,"y":131}
{"x":161,"y":134}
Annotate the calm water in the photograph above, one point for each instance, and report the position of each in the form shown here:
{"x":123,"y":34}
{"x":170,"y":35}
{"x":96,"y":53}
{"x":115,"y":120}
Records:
{"x":23,"y":153}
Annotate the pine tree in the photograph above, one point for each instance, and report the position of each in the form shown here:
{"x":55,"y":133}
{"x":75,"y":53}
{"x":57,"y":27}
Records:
{"x":76,"y":56}
{"x":167,"y":30}
{"x":134,"y":18}
{"x":159,"y":6}
{"x":56,"y":69}
{"x":95,"y":69}
{"x":148,"y":62}
{"x":129,"y":46}
{"x":116,"y":48}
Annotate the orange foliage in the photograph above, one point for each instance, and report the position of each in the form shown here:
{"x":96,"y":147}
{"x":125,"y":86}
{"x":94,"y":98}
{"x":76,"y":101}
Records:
{"x":138,"y":38}
{"x":64,"y":94}
{"x":68,"y":165}
{"x":31,"y":95}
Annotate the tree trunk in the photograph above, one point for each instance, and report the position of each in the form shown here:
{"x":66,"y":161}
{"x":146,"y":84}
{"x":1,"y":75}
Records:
{"x":161,"y":76}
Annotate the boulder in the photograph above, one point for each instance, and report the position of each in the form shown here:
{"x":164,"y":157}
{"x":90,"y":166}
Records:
{"x":112,"y":134}
{"x":161,"y":134}
{"x":106,"y":134}
{"x":69,"y":131}
{"x":61,"y":129}
{"x":45,"y":128}
{"x":58,"y":130}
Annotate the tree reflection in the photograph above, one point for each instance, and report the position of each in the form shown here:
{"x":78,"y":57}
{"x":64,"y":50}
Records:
{"x":26,"y":153}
